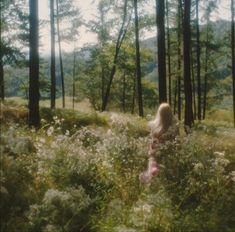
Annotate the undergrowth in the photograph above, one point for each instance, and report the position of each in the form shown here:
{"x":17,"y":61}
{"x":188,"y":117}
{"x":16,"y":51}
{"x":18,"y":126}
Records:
{"x":80,"y":172}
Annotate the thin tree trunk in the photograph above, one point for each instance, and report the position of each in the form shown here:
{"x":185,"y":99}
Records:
{"x":53,"y":76}
{"x":138,"y":68}
{"x":168,"y":52}
{"x":233,"y":54}
{"x":188,"y":121}
{"x":102,"y":82}
{"x":160,"y":21}
{"x":134,"y":95}
{"x":124,"y":93}
{"x":193,"y":88}
{"x":60,"y":54}
{"x":206,"y":75}
{"x":175,"y":95}
{"x":34,"y":116}
{"x":2,"y":93}
{"x":121,"y":36}
{"x":74,"y":74}
{"x":179,"y":58}
{"x":198,"y":63}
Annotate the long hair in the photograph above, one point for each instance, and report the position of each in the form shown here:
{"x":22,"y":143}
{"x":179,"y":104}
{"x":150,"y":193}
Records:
{"x":163,"y":120}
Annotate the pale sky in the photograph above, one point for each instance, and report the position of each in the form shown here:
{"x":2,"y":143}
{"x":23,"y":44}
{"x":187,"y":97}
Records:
{"x":88,"y":9}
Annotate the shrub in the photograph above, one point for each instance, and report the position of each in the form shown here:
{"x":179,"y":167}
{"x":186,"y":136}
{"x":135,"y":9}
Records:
{"x":61,"y":211}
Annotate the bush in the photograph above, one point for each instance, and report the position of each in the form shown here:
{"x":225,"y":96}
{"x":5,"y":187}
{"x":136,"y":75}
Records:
{"x":61,"y":211}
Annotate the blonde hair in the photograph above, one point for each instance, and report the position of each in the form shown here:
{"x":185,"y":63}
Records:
{"x":163,"y":120}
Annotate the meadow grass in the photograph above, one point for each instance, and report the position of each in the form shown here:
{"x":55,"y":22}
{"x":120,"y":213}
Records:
{"x":80,"y":172}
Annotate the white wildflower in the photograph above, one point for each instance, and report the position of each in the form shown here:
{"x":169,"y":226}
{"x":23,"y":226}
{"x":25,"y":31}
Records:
{"x":147,"y":208}
{"x":219,"y":154}
{"x":50,"y":131}
{"x":67,"y":133}
{"x":232,"y":174}
{"x":198,"y":167}
{"x":220,"y":161}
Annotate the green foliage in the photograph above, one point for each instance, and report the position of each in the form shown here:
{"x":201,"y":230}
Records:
{"x":60,"y":211}
{"x":69,"y":119}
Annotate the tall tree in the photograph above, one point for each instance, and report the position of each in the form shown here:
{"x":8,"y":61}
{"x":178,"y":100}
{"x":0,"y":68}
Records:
{"x":168,"y":50}
{"x":121,"y":36}
{"x":160,"y":21}
{"x":138,"y":67}
{"x":34,"y":117}
{"x":233,"y":53}
{"x":74,"y":74}
{"x":60,"y":53}
{"x":2,"y":94}
{"x":198,"y":49}
{"x":188,"y":120}
{"x":179,"y":55}
{"x":206,"y":74}
{"x":53,"y":75}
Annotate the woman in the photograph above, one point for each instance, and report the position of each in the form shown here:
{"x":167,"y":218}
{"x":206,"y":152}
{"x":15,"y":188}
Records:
{"x":163,"y":128}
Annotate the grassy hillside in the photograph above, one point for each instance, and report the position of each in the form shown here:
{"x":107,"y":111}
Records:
{"x":80,"y":172}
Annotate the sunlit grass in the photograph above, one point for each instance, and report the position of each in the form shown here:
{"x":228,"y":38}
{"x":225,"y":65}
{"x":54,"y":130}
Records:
{"x":83,"y":105}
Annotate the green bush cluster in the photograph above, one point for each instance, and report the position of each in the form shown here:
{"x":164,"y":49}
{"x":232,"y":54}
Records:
{"x":87,"y":179}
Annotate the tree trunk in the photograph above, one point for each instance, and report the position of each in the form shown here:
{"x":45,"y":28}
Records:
{"x":60,"y":54}
{"x":168,"y":52}
{"x":175,"y":95}
{"x":2,"y":93}
{"x":188,"y":121}
{"x":134,"y":96}
{"x":160,"y":21}
{"x":53,"y":76}
{"x":198,"y":62}
{"x":124,"y":92}
{"x":206,"y":75}
{"x":74,"y":74}
{"x":138,"y":68}
{"x":193,"y":88}
{"x":34,"y":117}
{"x":233,"y":53}
{"x":121,"y":36}
{"x":179,"y":58}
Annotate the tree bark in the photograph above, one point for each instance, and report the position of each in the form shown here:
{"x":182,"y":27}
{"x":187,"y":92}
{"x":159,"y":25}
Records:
{"x":74,"y":74}
{"x":188,"y":121}
{"x":233,"y":54}
{"x":34,"y":117}
{"x":179,"y":58}
{"x":60,"y":54}
{"x":168,"y":52}
{"x":133,"y":96}
{"x":124,"y":92}
{"x":138,"y":67}
{"x":160,"y":21}
{"x":198,"y":62}
{"x":2,"y":93}
{"x":53,"y":76}
{"x":206,"y":75}
{"x":193,"y":88}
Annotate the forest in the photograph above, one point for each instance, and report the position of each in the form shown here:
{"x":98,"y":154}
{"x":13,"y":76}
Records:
{"x":75,"y":115}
